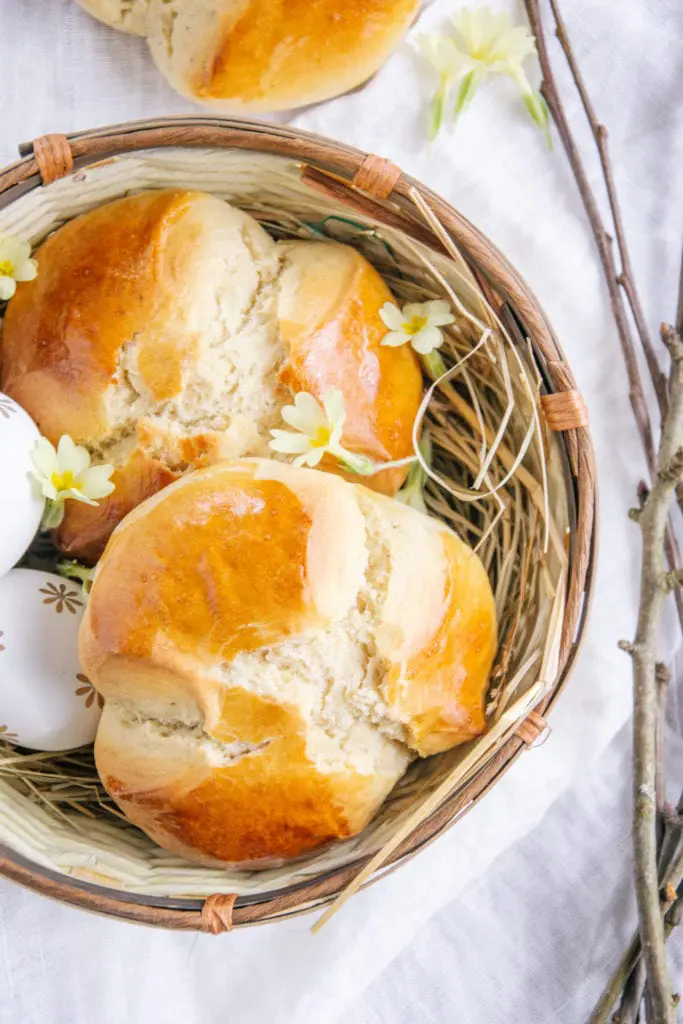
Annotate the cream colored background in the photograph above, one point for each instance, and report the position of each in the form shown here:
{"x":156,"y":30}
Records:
{"x":515,"y":916}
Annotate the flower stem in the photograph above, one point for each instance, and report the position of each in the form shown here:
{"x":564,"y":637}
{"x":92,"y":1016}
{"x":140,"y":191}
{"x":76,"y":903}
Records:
{"x":53,"y":515}
{"x":412,"y":491}
{"x":433,"y":364}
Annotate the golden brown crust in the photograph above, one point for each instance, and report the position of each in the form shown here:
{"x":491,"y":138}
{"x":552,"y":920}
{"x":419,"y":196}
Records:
{"x":227,"y":564}
{"x":439,"y":690}
{"x":85,"y":529}
{"x":332,"y":329}
{"x":104,"y":279}
{"x":122,"y":313}
{"x":263,"y":55}
{"x":225,"y":559}
{"x":99,"y":285}
{"x":270,"y":804}
{"x":275,"y":55}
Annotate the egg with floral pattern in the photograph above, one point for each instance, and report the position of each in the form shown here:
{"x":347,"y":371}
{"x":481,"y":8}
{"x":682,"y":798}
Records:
{"x":21,"y":505}
{"x":46,"y":702}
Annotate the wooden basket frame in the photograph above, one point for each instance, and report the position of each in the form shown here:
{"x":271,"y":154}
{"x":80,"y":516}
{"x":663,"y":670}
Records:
{"x":379,"y":190}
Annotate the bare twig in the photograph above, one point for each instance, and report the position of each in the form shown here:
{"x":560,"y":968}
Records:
{"x":634,"y":991}
{"x":662,"y":678}
{"x":625,"y":279}
{"x":630,"y":975}
{"x":602,"y":239}
{"x":613,"y":277}
{"x":652,"y":522}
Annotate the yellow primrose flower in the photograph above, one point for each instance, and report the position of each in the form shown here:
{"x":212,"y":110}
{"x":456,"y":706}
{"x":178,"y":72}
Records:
{"x":65,"y":472}
{"x":418,"y":323}
{"x":318,"y":431}
{"x":318,"y":428}
{"x":15,"y":264}
{"x":483,"y":44}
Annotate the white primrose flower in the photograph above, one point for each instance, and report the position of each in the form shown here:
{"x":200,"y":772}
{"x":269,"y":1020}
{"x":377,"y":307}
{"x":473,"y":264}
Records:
{"x":483,"y":44}
{"x":318,"y":431}
{"x":65,"y":473}
{"x":417,"y":324}
{"x":15,"y":264}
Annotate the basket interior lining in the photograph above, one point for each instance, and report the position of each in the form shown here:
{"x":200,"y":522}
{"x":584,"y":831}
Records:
{"x":105,"y":851}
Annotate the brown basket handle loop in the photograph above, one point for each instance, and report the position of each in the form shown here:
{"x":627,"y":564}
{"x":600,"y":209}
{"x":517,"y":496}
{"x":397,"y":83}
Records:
{"x":53,"y":156}
{"x":534,"y":730}
{"x":216,"y":915}
{"x":377,"y":176}
{"x":565,"y":410}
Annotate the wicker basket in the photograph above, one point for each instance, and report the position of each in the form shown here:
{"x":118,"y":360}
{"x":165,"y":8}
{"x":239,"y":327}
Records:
{"x":297,"y":183}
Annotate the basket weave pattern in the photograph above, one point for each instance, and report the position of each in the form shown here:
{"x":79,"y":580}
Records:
{"x":375,"y":189}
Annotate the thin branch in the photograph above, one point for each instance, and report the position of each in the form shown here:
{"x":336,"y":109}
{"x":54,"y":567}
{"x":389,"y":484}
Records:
{"x":603,"y":243}
{"x":653,"y":521}
{"x":602,"y":239}
{"x":625,"y":278}
{"x":630,"y":975}
{"x":634,"y":991}
{"x":662,"y":678}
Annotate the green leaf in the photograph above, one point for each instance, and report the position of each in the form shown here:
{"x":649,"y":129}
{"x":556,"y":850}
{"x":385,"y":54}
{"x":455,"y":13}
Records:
{"x":466,"y":92}
{"x":540,"y":115}
{"x":435,"y":118}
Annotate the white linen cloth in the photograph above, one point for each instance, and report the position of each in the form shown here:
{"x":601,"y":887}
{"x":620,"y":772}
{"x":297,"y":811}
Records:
{"x":516,"y":915}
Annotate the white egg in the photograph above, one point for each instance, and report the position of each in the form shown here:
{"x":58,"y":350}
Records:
{"x":46,"y":702}
{"x":21,"y":507}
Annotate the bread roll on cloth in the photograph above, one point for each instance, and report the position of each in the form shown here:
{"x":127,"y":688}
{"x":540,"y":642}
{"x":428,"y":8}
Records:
{"x":261,"y":55}
{"x":274,"y":645}
{"x":166,"y":330}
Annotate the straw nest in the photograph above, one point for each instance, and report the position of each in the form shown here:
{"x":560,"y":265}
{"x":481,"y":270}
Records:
{"x":497,"y":477}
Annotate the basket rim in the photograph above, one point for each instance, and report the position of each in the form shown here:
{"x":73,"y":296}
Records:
{"x":336,"y":164}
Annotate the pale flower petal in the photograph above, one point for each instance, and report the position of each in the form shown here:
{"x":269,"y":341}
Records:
{"x":7,"y":287}
{"x":47,"y":488}
{"x":26,"y":271}
{"x":44,"y":457}
{"x":15,"y":264}
{"x":306,"y":414}
{"x":15,"y":249}
{"x":413,"y":309}
{"x":437,"y":306}
{"x":427,"y":340}
{"x":395,"y":338}
{"x":335,"y":435}
{"x":438,"y":313}
{"x":391,"y":316}
{"x":72,"y":492}
{"x":65,"y":450}
{"x":95,"y":482}
{"x":443,"y":55}
{"x":333,"y":403}
{"x":311,"y":458}
{"x":288,"y":443}
{"x":71,"y":457}
{"x":441,"y":319}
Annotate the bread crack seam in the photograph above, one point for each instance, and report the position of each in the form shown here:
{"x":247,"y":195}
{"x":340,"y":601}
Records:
{"x":165,"y":728}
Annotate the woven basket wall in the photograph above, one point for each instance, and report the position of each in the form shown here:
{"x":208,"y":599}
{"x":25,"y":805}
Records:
{"x":268,"y":169}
